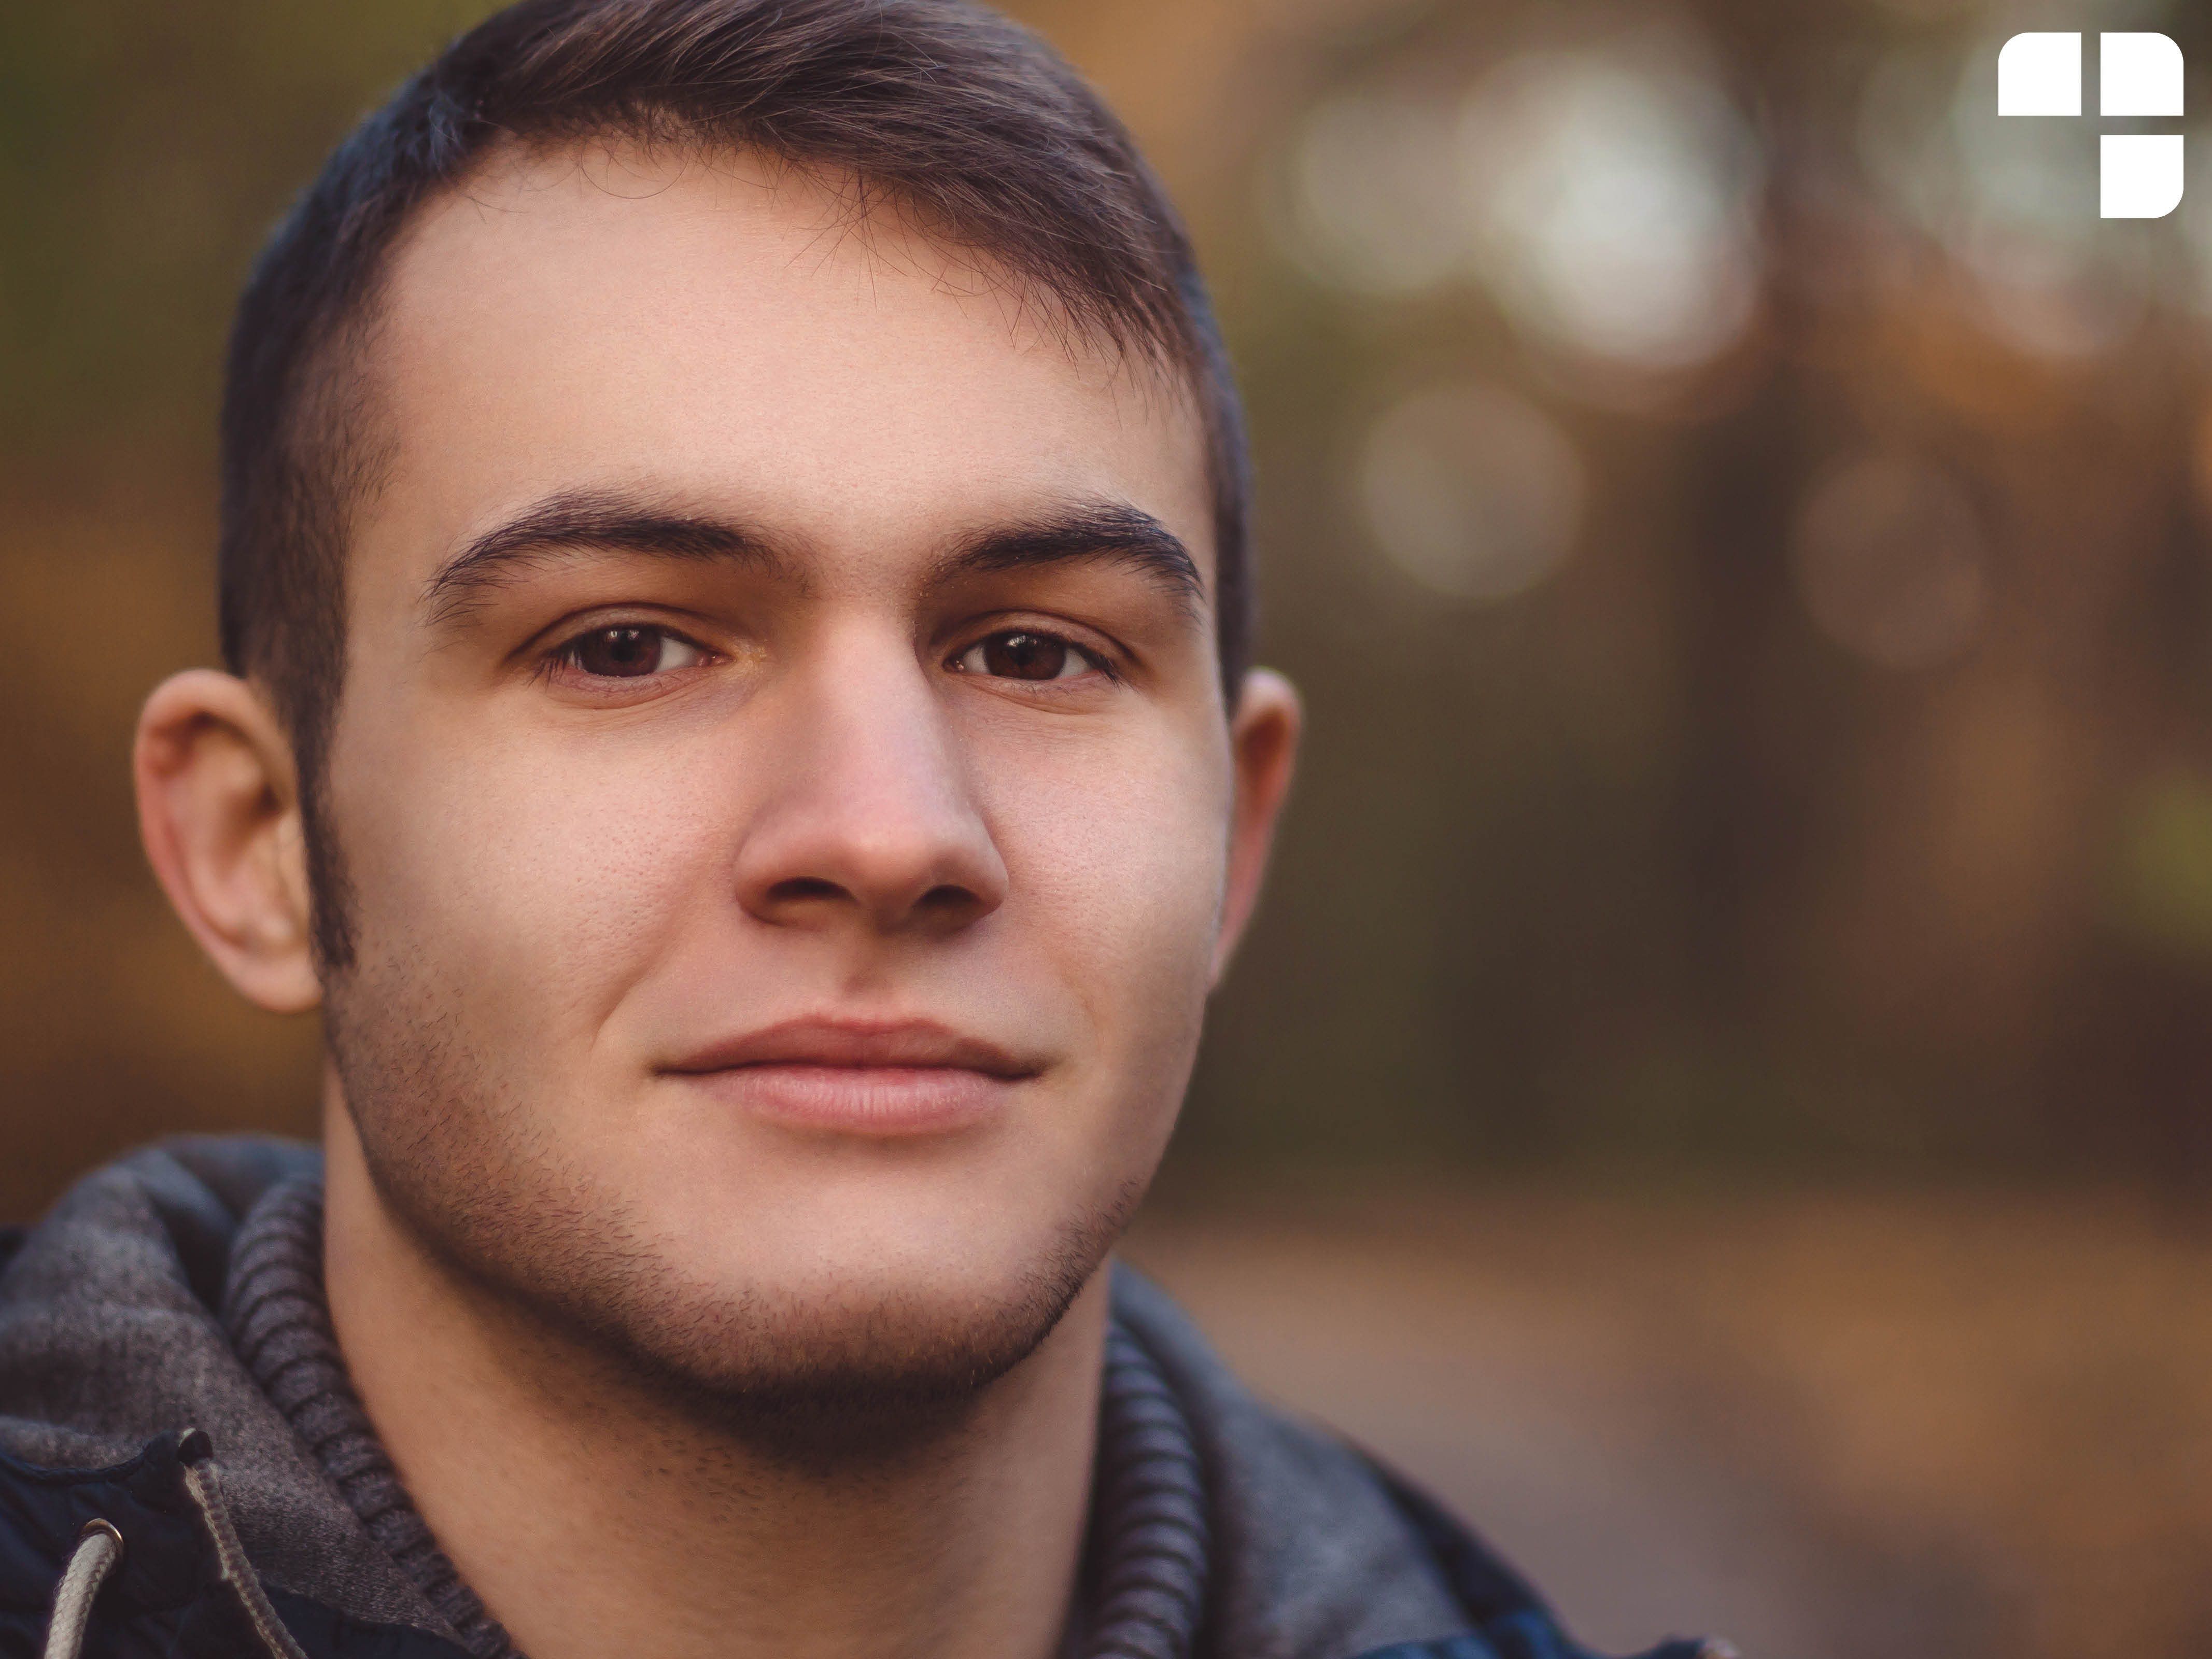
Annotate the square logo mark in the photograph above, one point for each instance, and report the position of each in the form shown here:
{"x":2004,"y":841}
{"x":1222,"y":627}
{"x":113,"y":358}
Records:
{"x":2140,"y":175}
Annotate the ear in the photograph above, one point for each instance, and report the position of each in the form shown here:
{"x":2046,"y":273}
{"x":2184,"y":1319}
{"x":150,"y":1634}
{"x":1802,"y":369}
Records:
{"x":1263,"y":740}
{"x":219,"y":811}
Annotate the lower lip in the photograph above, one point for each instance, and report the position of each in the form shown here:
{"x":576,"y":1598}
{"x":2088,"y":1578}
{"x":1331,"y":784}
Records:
{"x":861,"y":1100}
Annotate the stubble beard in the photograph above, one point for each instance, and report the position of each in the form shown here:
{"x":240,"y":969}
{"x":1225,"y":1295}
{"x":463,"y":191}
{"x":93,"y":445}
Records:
{"x":567,"y":1265}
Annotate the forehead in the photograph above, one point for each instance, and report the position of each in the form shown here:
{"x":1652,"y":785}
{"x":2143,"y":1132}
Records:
{"x":730,"y":336}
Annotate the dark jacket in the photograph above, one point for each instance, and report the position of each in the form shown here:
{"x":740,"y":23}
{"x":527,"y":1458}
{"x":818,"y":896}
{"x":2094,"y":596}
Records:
{"x":121,"y":1400}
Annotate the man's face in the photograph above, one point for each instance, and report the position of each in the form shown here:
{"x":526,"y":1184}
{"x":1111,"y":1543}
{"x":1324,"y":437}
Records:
{"x":781,"y":774}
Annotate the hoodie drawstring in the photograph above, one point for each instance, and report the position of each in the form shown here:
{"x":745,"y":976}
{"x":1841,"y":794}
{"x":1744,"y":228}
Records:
{"x":99,"y":1548}
{"x":237,"y":1572}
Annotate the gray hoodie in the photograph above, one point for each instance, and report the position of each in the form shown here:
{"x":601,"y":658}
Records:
{"x":112,"y":1348}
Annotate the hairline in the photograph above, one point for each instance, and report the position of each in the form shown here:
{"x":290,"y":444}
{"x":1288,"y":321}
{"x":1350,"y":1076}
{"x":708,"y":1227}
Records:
{"x":347,"y":460}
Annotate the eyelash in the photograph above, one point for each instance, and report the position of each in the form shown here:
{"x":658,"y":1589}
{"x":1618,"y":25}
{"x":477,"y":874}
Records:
{"x":1095,"y":660}
{"x":565,"y":656}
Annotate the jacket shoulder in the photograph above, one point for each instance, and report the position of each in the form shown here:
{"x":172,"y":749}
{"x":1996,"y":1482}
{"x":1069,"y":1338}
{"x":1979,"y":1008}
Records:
{"x":1328,"y":1553}
{"x":1511,"y":1621}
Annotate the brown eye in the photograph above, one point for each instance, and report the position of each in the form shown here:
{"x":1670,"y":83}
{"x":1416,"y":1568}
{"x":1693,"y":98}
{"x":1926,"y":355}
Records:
{"x":1020,"y":654}
{"x":630,"y":652}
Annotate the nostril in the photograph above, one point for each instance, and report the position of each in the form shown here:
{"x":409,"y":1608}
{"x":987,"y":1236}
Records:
{"x":947,"y":900}
{"x":798,"y":888}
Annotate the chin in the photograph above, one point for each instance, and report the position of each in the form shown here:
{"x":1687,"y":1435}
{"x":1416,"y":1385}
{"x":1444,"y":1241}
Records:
{"x":819,"y":1302}
{"x":822,"y":1330}
{"x":829,"y":1365}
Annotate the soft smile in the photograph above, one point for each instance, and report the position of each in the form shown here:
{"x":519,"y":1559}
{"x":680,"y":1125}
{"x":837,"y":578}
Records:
{"x":910,"y":1078}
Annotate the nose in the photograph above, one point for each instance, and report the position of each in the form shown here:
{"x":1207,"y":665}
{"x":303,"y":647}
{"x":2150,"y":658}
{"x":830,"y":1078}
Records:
{"x":869,"y":816}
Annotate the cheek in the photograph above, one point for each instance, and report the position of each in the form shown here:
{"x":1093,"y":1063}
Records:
{"x":1117,"y":861}
{"x":538,"y":883}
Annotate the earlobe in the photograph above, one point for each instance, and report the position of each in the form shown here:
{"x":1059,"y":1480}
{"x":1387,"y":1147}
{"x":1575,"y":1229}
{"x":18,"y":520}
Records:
{"x":1263,"y":737}
{"x":219,"y":813}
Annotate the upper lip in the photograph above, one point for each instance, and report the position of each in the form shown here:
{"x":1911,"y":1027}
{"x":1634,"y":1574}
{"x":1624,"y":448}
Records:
{"x":846,"y":1042}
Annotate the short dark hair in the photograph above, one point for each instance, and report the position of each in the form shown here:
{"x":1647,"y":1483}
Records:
{"x":958,"y":116}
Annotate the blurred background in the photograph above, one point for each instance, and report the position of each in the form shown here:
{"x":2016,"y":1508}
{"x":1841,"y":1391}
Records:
{"x":1719,"y":1083}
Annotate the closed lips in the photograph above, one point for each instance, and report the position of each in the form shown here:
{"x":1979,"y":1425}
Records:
{"x":843,"y":1080}
{"x":846,"y":1045}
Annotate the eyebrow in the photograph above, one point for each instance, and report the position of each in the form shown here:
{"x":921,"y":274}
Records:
{"x":1112,"y":531}
{"x":578,"y":521}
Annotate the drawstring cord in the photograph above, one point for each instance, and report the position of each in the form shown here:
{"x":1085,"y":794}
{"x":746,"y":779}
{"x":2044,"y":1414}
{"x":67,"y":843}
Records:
{"x":99,"y":1548}
{"x":238,"y":1574}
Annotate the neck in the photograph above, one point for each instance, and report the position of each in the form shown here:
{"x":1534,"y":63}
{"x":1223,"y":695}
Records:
{"x":595,"y":1514}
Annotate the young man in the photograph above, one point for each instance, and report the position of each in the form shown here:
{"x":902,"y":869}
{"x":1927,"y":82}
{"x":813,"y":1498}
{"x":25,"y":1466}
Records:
{"x":734,"y":582}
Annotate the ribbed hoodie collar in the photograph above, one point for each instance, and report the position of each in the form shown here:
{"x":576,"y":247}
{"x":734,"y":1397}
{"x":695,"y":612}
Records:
{"x":1147,"y":1557}
{"x":111,"y":1333}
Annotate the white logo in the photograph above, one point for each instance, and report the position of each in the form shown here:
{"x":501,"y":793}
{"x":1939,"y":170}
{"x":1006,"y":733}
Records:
{"x":2139,"y":173}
